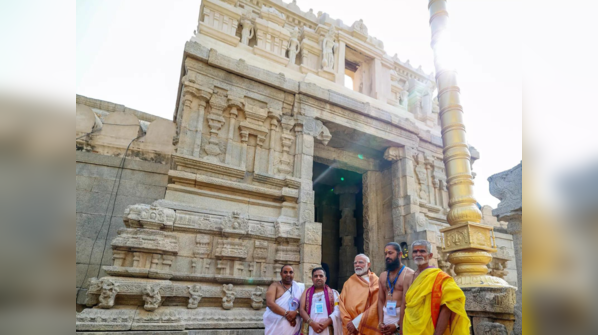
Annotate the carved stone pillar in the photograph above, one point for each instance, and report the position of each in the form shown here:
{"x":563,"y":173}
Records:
{"x":285,"y":166}
{"x":394,"y":155}
{"x":406,"y":216}
{"x":215,"y":122}
{"x":348,"y":230}
{"x":274,"y":120}
{"x":506,"y":186}
{"x":373,"y":213}
{"x":192,"y":120}
{"x":303,"y":170}
{"x":235,"y":105}
{"x":306,"y":131}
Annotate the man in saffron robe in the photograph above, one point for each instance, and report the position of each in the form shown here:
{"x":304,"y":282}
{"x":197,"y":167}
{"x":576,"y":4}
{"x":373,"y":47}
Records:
{"x":433,"y":303}
{"x":282,"y":299}
{"x":319,"y":307}
{"x":359,"y":300}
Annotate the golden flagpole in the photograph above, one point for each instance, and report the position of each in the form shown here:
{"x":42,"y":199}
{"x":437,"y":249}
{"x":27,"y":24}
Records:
{"x":468,"y":242}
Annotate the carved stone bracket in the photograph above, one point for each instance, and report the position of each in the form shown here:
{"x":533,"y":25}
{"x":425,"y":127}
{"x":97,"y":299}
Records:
{"x":152,"y":297}
{"x":228,"y":296}
{"x":195,"y":296}
{"x":257,"y":298}
{"x":147,"y":216}
{"x":316,"y":129}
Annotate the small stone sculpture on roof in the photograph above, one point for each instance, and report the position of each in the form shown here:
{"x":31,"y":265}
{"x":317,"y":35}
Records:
{"x":329,"y":47}
{"x":294,"y":45}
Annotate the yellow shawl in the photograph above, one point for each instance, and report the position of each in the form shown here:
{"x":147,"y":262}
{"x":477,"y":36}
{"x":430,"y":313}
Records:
{"x":420,"y":304}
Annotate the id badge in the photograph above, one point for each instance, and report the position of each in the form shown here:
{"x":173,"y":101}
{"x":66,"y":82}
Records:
{"x":319,"y":307}
{"x":293,"y":305}
{"x":391,"y":308}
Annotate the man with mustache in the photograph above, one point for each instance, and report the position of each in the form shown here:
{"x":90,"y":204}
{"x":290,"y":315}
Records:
{"x":359,"y":300}
{"x":319,"y":306}
{"x":282,"y":299}
{"x":391,"y":283}
{"x":433,"y":304}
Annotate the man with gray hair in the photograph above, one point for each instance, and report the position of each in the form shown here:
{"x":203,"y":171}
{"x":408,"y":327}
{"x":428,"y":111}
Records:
{"x":432,"y":302}
{"x":358,"y":302}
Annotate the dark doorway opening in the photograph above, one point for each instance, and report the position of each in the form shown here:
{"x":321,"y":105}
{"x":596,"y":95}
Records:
{"x":339,"y":207}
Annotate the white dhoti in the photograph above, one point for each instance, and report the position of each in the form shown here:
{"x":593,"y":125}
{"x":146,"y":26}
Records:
{"x":337,"y":324}
{"x":389,"y":319}
{"x":278,"y":324}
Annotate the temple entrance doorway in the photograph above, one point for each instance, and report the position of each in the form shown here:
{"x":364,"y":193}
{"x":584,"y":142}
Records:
{"x":339,"y":207}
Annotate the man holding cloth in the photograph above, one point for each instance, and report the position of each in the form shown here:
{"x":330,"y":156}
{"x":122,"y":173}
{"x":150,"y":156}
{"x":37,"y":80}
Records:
{"x":282,"y":299}
{"x":319,"y":307}
{"x":433,"y":303}
{"x":359,"y":300}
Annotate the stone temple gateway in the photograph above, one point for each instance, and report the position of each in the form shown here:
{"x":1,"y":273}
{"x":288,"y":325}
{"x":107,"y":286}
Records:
{"x":271,"y":160}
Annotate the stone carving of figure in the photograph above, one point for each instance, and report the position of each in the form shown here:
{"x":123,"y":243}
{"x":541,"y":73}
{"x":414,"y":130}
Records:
{"x":418,"y":106}
{"x":426,"y":103}
{"x":422,"y":177}
{"x":247,"y":32}
{"x":257,"y":298}
{"x":194,"y":296}
{"x":404,"y":95}
{"x":152,"y":297}
{"x":229,"y":296}
{"x":108,"y":293}
{"x":360,"y":27}
{"x":329,"y":47}
{"x":294,"y":45}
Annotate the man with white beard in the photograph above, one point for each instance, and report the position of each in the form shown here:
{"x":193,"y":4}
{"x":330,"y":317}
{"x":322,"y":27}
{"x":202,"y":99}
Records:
{"x":433,"y":304}
{"x":358,"y":302}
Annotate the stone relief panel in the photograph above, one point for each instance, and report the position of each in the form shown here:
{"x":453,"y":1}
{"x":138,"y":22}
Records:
{"x":147,"y":216}
{"x":231,"y":249}
{"x":288,"y":254}
{"x":148,"y":240}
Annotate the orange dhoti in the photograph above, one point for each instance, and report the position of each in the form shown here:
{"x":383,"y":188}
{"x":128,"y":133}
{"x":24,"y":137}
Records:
{"x":360,"y":298}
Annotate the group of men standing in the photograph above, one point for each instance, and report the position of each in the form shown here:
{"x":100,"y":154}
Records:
{"x":400,"y":301}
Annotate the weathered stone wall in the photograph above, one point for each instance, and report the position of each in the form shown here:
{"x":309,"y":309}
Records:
{"x":97,"y":220}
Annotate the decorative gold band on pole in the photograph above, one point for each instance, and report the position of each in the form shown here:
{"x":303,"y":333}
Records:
{"x":468,"y":242}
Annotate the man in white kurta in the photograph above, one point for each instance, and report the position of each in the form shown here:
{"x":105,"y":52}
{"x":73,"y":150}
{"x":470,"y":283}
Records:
{"x":319,"y":307}
{"x":283,"y":300}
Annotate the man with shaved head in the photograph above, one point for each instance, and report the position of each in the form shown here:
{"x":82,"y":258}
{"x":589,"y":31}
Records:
{"x":358,"y":302}
{"x":282,"y":298}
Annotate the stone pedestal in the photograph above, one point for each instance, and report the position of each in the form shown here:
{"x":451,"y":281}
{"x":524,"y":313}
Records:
{"x":506,"y":186}
{"x":491,"y":309}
